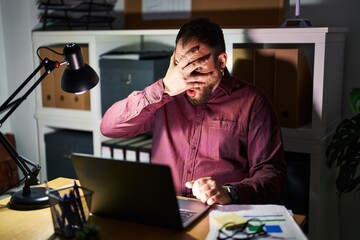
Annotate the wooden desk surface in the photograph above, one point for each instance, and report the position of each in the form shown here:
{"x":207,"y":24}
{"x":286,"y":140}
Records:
{"x":37,"y":224}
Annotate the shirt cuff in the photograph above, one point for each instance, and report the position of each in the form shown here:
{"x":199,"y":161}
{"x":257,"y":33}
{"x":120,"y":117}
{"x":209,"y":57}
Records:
{"x":155,"y":92}
{"x":234,"y":195}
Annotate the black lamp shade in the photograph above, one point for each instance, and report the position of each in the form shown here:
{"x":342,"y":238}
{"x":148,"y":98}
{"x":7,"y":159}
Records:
{"x":78,"y":76}
{"x":76,"y":81}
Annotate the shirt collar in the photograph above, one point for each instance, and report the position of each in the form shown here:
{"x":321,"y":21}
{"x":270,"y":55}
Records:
{"x":227,"y":83}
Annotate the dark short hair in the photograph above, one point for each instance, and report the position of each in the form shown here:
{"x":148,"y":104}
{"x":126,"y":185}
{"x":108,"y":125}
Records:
{"x":205,"y":31}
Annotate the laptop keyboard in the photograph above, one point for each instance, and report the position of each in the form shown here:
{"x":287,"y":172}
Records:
{"x":186,"y":214}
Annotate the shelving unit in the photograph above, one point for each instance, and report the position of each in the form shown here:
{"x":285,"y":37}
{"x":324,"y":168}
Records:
{"x":328,"y":50}
{"x":60,"y":14}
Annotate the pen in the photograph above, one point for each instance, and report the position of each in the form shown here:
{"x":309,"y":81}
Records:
{"x":67,"y":209}
{"x":60,"y":223}
{"x":78,"y":199}
{"x":73,"y":202}
{"x":67,"y":214}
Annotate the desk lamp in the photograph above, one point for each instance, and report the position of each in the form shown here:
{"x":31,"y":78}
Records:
{"x":78,"y":77}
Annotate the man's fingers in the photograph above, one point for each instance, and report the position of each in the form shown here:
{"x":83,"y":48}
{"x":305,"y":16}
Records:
{"x":208,"y":191}
{"x":197,"y":80}
{"x":194,"y":185}
{"x":189,"y":184}
{"x":211,"y":201}
{"x":195,"y":68}
{"x":199,"y":62}
{"x":188,"y":56}
{"x":189,"y":65}
{"x":194,"y":85}
{"x":172,"y":60}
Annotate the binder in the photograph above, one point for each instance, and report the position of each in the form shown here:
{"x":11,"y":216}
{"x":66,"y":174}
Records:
{"x":243,"y":64}
{"x":119,"y":148}
{"x":145,"y":153}
{"x":107,"y":147}
{"x":132,"y":150}
{"x":264,"y":70}
{"x":284,"y":76}
{"x":293,"y":88}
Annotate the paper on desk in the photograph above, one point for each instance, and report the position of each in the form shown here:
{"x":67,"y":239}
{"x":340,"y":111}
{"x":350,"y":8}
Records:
{"x":277,"y":219}
{"x":226,"y":217}
{"x":166,"y":9}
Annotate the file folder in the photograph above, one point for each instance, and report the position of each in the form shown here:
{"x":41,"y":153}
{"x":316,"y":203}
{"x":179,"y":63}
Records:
{"x":145,"y":153}
{"x":132,"y":150}
{"x":107,"y":147}
{"x":293,"y":88}
{"x":119,"y":148}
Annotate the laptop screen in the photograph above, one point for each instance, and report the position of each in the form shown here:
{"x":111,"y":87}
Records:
{"x":132,"y":191}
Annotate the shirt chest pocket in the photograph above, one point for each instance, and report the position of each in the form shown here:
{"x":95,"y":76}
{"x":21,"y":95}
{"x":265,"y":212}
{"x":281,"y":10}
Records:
{"x":225,"y":125}
{"x":225,"y":140}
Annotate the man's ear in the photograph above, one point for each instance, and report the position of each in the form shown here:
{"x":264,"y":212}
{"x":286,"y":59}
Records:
{"x":222,"y":60}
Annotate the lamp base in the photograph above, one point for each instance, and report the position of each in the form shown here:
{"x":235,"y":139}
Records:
{"x":296,"y":22}
{"x":37,"y":199}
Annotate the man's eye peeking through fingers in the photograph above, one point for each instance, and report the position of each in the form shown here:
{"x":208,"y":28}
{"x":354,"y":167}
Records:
{"x":193,"y":50}
{"x":202,"y":61}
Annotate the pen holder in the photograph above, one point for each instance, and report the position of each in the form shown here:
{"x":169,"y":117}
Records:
{"x":70,"y":209}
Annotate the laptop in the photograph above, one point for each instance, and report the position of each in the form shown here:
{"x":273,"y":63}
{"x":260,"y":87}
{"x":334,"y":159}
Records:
{"x":136,"y":192}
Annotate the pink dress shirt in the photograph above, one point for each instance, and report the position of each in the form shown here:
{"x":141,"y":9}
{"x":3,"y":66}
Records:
{"x":233,"y":138}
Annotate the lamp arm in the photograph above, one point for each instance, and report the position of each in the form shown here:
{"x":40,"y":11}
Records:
{"x":29,"y":174}
{"x":11,"y":105}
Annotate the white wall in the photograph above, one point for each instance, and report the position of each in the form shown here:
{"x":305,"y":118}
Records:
{"x":17,"y":18}
{"x":3,"y":83}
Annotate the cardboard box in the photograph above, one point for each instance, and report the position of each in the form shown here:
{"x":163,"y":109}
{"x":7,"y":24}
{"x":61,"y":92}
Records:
{"x":227,"y":13}
{"x":285,"y":77}
{"x":293,"y":88}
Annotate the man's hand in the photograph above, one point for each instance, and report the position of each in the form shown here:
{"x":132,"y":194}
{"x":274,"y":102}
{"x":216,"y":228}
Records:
{"x":183,"y":74}
{"x":208,"y":191}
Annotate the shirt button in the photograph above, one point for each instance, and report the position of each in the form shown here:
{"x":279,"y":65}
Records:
{"x":193,"y":147}
{"x":136,"y":112}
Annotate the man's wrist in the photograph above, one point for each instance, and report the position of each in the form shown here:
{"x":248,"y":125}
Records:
{"x":232,"y":193}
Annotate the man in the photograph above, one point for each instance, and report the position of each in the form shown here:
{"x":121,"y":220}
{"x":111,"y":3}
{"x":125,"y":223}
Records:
{"x":220,"y":136}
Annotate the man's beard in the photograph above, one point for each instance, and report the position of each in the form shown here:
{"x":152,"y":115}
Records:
{"x":202,"y":97}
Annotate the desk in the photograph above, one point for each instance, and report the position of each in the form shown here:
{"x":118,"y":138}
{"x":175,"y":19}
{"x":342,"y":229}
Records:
{"x":37,"y":224}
